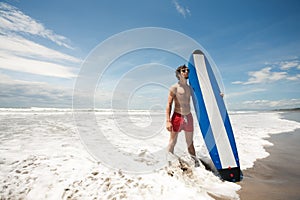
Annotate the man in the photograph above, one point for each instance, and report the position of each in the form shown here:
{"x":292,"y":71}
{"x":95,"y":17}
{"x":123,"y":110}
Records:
{"x":182,"y":118}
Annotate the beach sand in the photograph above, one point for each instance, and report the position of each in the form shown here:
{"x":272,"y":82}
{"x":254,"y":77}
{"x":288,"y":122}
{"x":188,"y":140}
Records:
{"x":278,"y":175}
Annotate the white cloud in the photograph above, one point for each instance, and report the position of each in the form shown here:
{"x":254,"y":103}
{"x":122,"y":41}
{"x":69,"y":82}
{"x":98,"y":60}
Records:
{"x":246,"y":92}
{"x":19,"y":54}
{"x":16,"y":93}
{"x":237,"y":82}
{"x":22,"y":47}
{"x":22,"y":55}
{"x":272,"y":72}
{"x":13,"y":20}
{"x":265,"y":75}
{"x":294,"y":78}
{"x":181,"y":10}
{"x":15,"y":63}
{"x":269,"y":104}
{"x":289,"y":64}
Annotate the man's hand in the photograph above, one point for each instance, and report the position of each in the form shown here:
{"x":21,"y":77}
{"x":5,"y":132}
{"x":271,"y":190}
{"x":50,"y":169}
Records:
{"x":169,"y":126}
{"x":222,"y":94}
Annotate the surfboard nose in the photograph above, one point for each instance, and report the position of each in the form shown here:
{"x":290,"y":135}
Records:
{"x":198,"y":52}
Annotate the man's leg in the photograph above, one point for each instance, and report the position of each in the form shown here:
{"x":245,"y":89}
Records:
{"x":172,"y":141}
{"x":190,"y":144}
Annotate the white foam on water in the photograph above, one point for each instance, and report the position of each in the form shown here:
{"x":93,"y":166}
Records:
{"x":42,"y":156}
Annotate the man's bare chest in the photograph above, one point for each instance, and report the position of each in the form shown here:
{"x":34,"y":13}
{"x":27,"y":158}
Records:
{"x":183,"y":92}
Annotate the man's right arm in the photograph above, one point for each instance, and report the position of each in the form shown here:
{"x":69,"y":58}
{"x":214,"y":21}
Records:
{"x":168,"y":110}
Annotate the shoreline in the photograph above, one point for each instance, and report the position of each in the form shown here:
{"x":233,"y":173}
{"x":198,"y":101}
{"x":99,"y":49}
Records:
{"x":276,"y":176}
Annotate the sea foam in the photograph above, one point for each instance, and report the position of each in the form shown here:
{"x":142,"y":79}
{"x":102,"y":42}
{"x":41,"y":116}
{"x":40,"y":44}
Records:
{"x":43,"y":156}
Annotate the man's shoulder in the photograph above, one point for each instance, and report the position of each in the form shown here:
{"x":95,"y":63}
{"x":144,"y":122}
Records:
{"x":174,"y":87}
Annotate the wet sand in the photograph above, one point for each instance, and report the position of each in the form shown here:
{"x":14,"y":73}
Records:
{"x":278,"y":175}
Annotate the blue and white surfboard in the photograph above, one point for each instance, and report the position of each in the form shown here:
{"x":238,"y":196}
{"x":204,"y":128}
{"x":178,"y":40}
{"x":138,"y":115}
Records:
{"x":213,"y":117}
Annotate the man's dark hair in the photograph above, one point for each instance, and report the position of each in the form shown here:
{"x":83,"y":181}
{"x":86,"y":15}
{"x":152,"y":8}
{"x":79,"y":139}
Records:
{"x":178,"y":70}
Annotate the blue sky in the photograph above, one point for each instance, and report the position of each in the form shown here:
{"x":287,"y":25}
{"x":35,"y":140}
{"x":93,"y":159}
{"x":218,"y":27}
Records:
{"x":255,"y":45}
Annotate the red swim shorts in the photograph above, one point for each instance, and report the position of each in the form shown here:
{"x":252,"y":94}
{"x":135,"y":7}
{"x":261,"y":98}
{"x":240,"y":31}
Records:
{"x":182,"y":122}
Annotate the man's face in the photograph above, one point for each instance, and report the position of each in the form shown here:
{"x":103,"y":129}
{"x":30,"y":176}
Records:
{"x":185,"y":73}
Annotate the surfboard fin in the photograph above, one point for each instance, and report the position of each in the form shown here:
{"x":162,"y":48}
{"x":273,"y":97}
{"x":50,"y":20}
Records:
{"x":231,"y":174}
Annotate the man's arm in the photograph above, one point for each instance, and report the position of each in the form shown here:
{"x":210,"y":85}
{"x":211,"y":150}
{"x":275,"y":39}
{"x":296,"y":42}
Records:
{"x":168,"y":110}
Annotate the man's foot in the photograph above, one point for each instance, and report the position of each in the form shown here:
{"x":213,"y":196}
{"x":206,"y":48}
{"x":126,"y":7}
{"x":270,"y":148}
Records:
{"x":197,"y":163}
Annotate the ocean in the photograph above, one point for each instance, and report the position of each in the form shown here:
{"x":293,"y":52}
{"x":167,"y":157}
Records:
{"x":292,"y":115}
{"x":276,"y":176}
{"x":56,"y":154}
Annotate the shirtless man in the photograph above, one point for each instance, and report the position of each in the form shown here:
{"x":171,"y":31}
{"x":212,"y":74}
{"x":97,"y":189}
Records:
{"x":182,"y":118}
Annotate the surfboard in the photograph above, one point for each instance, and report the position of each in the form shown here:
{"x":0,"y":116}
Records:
{"x":213,"y":117}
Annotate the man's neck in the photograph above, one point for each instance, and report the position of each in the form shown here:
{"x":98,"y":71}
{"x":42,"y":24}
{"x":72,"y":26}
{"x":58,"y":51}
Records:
{"x":182,"y":81}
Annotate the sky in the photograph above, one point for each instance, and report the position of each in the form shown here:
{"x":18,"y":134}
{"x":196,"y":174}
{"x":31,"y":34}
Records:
{"x":44,"y":46}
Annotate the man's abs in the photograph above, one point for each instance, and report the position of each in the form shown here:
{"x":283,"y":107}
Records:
{"x":182,"y":109}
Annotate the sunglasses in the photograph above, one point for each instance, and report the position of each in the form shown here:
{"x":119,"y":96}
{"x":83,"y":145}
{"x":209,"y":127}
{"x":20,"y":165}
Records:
{"x":185,"y":70}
